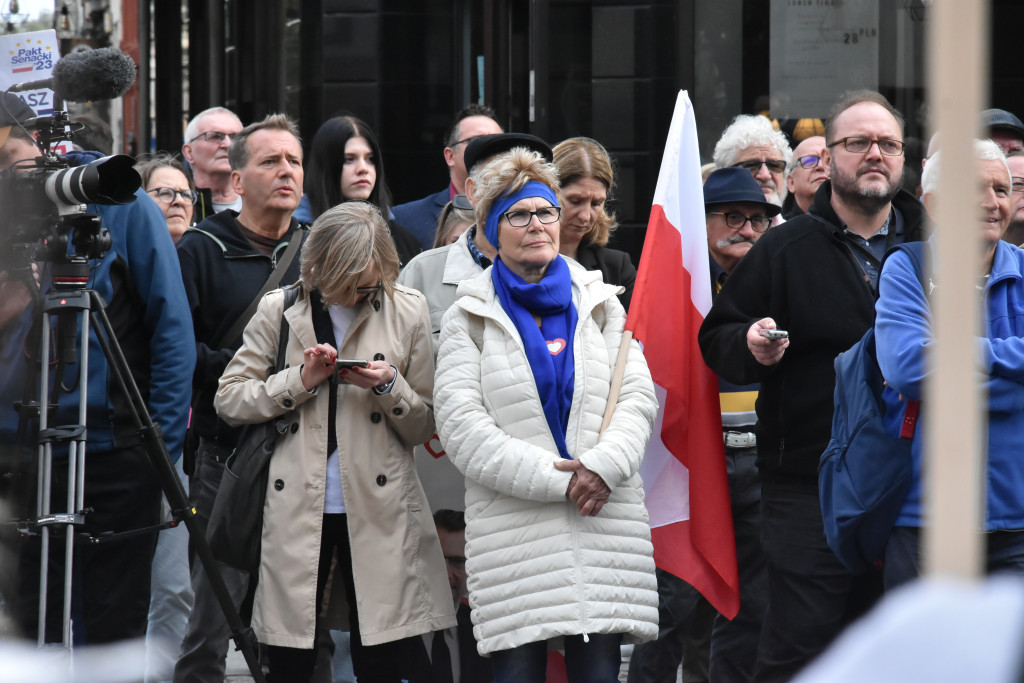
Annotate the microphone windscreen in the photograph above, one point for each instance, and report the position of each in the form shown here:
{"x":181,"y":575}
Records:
{"x":93,"y":75}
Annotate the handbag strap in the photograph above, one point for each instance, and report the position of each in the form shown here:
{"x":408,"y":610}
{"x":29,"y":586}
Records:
{"x":272,"y":282}
{"x":290,"y":295}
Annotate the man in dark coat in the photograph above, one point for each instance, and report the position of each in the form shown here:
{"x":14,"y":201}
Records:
{"x":420,"y":216}
{"x":816,"y":277}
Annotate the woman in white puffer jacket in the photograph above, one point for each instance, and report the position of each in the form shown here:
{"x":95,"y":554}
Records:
{"x":557,"y":537}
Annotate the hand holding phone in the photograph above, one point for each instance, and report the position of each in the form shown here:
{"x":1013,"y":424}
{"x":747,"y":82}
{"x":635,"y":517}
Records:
{"x":352,"y":363}
{"x":772,"y":334}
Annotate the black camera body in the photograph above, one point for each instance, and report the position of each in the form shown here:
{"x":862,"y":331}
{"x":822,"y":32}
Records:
{"x":43,"y":201}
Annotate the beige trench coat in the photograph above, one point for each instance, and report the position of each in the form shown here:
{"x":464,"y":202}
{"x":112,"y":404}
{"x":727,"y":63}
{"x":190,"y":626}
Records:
{"x":400,"y":578}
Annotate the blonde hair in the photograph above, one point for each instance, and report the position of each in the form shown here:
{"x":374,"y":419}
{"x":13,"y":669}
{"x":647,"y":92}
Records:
{"x":450,"y":217}
{"x":343,"y":243}
{"x":578,"y":158}
{"x":507,"y":173}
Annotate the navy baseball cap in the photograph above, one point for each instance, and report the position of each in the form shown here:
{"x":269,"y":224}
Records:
{"x":486,"y":146}
{"x":732,"y":185}
{"x":1000,"y":119}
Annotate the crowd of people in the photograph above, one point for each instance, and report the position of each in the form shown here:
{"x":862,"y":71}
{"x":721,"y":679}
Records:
{"x":257,"y":283}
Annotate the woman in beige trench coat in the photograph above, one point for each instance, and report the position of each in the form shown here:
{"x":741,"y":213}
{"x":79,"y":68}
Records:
{"x":346,"y":497}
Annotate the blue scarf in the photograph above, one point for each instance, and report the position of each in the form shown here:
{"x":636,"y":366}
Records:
{"x":548,"y":347}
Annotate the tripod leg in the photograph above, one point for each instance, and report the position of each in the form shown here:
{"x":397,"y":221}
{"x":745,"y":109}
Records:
{"x":156,"y":451}
{"x":76,"y":477}
{"x":43,"y":488}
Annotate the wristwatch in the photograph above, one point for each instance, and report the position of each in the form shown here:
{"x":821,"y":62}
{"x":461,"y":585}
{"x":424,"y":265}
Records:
{"x":382,"y":389}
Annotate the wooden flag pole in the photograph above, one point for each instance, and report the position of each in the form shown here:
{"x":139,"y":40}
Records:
{"x":620,"y":370}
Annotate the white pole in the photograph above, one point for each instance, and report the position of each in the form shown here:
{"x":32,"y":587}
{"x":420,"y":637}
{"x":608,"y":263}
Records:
{"x":955,"y":463}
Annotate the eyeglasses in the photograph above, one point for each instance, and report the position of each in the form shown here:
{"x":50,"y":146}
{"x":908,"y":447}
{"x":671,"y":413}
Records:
{"x":522,"y":218}
{"x":469,"y":139}
{"x":890,"y":148}
{"x":736,"y":220}
{"x":1018,"y":184}
{"x":214,"y":136}
{"x":365,"y":291}
{"x":167,"y":195}
{"x":754,"y":165}
{"x":807,"y":161}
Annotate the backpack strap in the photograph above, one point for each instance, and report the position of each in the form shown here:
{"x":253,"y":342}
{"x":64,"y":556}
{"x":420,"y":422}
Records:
{"x":915,"y":252}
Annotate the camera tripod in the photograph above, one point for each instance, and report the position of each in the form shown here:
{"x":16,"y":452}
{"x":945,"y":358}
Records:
{"x":70,"y":302}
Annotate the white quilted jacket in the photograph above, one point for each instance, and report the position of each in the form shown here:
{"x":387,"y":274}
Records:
{"x":537,"y":568}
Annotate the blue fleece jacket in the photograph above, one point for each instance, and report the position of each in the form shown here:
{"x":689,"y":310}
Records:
{"x":140,"y":280}
{"x":903,"y":334}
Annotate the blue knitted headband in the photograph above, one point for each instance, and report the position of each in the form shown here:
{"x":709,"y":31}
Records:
{"x":504,"y":202}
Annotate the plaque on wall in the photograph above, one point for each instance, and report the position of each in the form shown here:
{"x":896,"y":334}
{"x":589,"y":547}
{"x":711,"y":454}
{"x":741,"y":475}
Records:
{"x":820,"y":49}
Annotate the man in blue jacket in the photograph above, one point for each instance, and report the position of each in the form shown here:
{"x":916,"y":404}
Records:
{"x":903,"y":335}
{"x":420,"y":216}
{"x":140,"y":281}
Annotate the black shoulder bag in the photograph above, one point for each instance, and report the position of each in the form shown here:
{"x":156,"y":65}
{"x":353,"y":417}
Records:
{"x":236,"y":520}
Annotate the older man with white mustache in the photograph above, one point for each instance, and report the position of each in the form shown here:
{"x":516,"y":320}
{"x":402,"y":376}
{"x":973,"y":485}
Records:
{"x":753,"y":143}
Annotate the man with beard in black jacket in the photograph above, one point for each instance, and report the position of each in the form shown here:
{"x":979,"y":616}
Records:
{"x":225,"y":261}
{"x":816,"y":277}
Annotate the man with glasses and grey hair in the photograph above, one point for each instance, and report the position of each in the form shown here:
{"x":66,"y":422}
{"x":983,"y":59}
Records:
{"x":420,"y":216}
{"x":816,"y":279}
{"x":207,"y":141}
{"x":226,"y":261}
{"x":806,"y":173}
{"x":1015,"y":230}
{"x":751,"y":142}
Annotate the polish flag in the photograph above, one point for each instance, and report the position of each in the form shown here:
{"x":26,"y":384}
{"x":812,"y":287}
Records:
{"x":684,"y":468}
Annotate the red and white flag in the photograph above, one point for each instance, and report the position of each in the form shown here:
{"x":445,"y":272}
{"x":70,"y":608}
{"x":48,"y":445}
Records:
{"x":684,"y":468}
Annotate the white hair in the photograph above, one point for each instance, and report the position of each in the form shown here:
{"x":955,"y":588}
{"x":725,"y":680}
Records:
{"x":984,"y":150}
{"x":749,"y":131}
{"x":192,"y":129}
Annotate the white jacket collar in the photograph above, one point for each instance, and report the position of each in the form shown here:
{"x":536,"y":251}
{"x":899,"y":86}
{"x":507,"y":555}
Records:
{"x":477,"y":294}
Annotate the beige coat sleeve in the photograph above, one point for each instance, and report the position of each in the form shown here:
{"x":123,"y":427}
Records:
{"x":410,"y":404}
{"x":247,"y":392}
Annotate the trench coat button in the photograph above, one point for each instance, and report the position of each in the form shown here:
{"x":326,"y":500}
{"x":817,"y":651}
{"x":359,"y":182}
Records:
{"x":378,"y":356}
{"x":374,"y":418}
{"x":381,"y":480}
{"x":278,"y":485}
{"x":376,"y":305}
{"x":397,"y":411}
{"x":287,"y":403}
{"x":295,"y":427}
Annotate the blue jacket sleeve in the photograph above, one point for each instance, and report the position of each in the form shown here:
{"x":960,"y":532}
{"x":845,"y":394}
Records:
{"x":1004,"y":357}
{"x":903,"y":334}
{"x":903,"y":328}
{"x":146,"y":246}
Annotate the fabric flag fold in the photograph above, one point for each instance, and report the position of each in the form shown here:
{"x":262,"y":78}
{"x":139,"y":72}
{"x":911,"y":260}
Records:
{"x":684,"y":468}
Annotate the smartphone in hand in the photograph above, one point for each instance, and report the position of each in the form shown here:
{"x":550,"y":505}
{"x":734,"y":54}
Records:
{"x":767,"y":334}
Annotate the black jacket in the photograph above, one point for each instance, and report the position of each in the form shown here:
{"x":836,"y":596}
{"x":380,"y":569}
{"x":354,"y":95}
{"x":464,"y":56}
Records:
{"x":204,"y":205}
{"x":615,"y":266}
{"x":222,"y":273}
{"x":803,"y":275}
{"x":473,"y":667}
